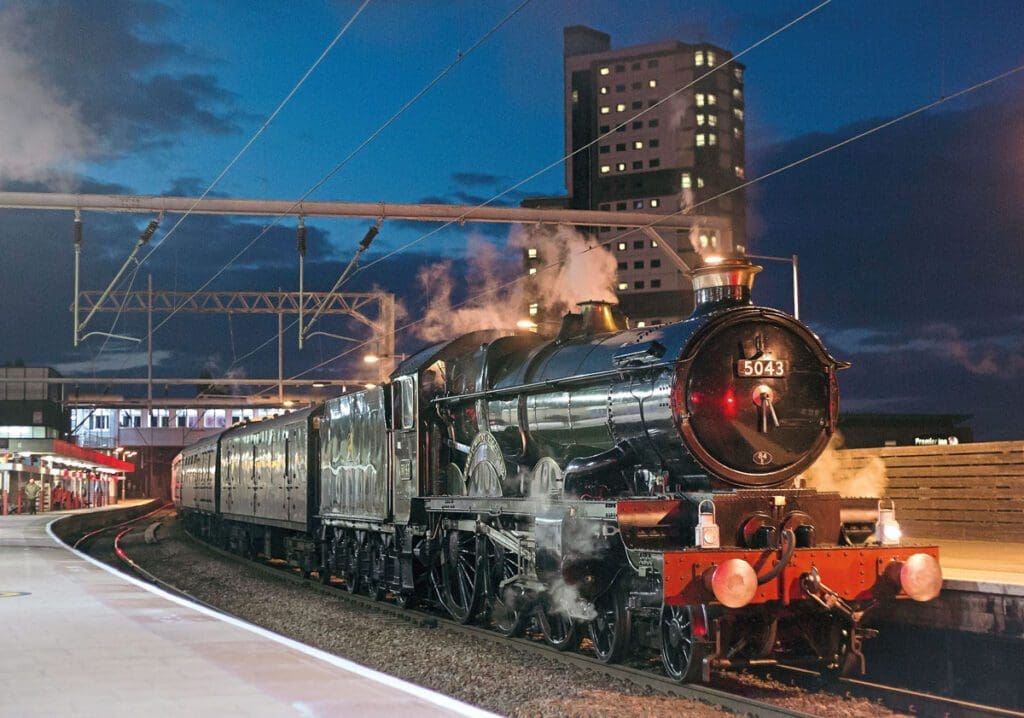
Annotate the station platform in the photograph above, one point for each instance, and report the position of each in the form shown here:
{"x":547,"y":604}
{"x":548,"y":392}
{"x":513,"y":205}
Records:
{"x":81,"y":639}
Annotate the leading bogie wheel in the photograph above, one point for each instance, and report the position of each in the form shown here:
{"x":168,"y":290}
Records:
{"x":683,"y":647}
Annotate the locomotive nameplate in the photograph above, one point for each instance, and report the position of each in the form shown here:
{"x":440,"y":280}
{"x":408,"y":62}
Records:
{"x":762,"y":367}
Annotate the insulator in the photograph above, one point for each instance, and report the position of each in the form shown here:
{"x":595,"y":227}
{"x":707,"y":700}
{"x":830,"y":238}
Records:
{"x":148,"y":232}
{"x":370,"y":234}
{"x":78,"y":232}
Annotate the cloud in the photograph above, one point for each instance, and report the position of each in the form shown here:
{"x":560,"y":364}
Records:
{"x":82,"y":81}
{"x":477,"y":179}
{"x":116,"y":361}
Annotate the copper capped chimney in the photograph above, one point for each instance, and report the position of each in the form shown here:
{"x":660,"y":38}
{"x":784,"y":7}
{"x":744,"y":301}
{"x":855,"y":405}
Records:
{"x":595,"y":317}
{"x":722,"y":283}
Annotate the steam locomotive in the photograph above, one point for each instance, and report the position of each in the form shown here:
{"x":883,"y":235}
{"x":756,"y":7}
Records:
{"x":640,"y":486}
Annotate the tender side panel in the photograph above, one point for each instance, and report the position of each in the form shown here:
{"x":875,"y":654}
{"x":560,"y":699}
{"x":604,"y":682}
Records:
{"x":353,"y":457}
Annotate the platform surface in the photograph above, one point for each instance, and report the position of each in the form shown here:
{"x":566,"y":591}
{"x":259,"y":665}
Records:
{"x":81,"y":639}
{"x":982,"y":566}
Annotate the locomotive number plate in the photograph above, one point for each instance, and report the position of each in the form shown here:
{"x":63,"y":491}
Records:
{"x":762,"y":367}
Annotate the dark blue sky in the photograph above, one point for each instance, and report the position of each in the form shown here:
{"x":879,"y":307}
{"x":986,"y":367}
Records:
{"x":910,"y":241}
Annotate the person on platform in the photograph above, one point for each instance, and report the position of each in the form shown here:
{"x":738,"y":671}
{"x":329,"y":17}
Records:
{"x":31,"y":492}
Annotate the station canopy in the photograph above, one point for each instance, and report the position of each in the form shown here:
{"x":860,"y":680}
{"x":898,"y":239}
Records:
{"x":25,"y":454}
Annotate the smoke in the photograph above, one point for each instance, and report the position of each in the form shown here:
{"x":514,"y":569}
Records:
{"x":571,"y":269}
{"x":43,"y":134}
{"x":992,"y":360}
{"x":830,"y":473}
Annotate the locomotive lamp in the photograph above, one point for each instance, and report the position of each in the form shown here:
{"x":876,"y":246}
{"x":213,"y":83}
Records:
{"x":887,"y":528}
{"x":707,"y":534}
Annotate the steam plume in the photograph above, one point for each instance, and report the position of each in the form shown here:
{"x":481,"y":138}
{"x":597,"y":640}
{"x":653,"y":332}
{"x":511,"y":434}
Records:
{"x":829,"y":473}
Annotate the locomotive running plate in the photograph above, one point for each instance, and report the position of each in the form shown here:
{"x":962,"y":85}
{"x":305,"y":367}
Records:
{"x":762,"y":367}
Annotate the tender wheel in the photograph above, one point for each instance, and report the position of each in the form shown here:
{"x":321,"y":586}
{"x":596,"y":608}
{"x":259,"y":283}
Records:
{"x":460,"y":584}
{"x":505,"y":603}
{"x":682,"y":650}
{"x":352,"y":575}
{"x":376,"y":584}
{"x":610,"y":628}
{"x":560,"y":631}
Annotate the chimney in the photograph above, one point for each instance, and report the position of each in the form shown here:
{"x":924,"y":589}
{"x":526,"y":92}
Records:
{"x":595,"y":317}
{"x":722,"y":283}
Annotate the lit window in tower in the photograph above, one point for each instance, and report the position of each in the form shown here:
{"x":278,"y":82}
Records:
{"x":737,"y":113}
{"x":638,"y":145}
{"x":710,"y":58}
{"x":698,"y":58}
{"x":604,"y":70}
{"x":605,"y":109}
{"x":713,"y":120}
{"x":575,"y":96}
{"x":605,"y":169}
{"x":738,"y":73}
{"x":531,"y":252}
{"x":711,"y":99}
{"x":712,"y":138}
{"x":737,"y":93}
{"x":686,"y":181}
{"x":533,"y":270}
{"x":652,"y":83}
{"x":737,"y":132}
{"x":700,"y":183}
{"x":534,"y":308}
{"x":701,"y":139}
{"x":655,"y":202}
{"x":703,"y":241}
{"x":739,"y":171}
{"x":604,"y":90}
{"x":621,"y":166}
{"x":701,"y":99}
{"x":621,"y":107}
{"x":621,"y":246}
{"x":623,"y":285}
{"x":702,"y":119}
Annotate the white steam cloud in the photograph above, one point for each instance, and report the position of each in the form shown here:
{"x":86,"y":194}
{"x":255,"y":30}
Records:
{"x":571,"y":269}
{"x":829,"y":473}
{"x":43,"y":134}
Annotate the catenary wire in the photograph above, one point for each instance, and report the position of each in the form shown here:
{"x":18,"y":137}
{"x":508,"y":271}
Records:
{"x":334,"y":170}
{"x":533,"y":176}
{"x":759,"y":178}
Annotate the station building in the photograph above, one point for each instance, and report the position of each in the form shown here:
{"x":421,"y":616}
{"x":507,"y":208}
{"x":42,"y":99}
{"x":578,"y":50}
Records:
{"x":637,"y":141}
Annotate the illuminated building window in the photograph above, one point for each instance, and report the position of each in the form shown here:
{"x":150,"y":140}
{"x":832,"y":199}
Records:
{"x":641,"y":325}
{"x":621,"y":246}
{"x":655,"y":202}
{"x":621,"y":166}
{"x":703,"y":241}
{"x":698,"y":58}
{"x":621,"y":107}
{"x":605,"y":109}
{"x":711,"y":99}
{"x":534,"y":308}
{"x":712,"y":138}
{"x":700,"y":182}
{"x":686,"y":182}
{"x":533,"y":270}
{"x":713,"y":120}
{"x":575,"y":96}
{"x":701,"y":139}
{"x":710,"y":58}
{"x":604,"y":89}
{"x":737,"y":93}
{"x":739,"y":172}
{"x":652,"y":83}
{"x":605,"y":169}
{"x":638,"y":145}
{"x":654,"y":245}
{"x":604,"y":70}
{"x":638,"y":204}
{"x":701,"y":99}
{"x":623,"y":285}
{"x":738,"y":113}
{"x":738,"y":73}
{"x":702,"y":119}
{"x":531,"y":252}
{"x":737,"y":132}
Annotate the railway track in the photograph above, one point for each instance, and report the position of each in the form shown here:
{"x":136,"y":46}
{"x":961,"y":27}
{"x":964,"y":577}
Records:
{"x":894,"y":698}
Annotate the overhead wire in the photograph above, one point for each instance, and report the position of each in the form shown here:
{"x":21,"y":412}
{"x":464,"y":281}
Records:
{"x":661,"y":217}
{"x":462,"y":55}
